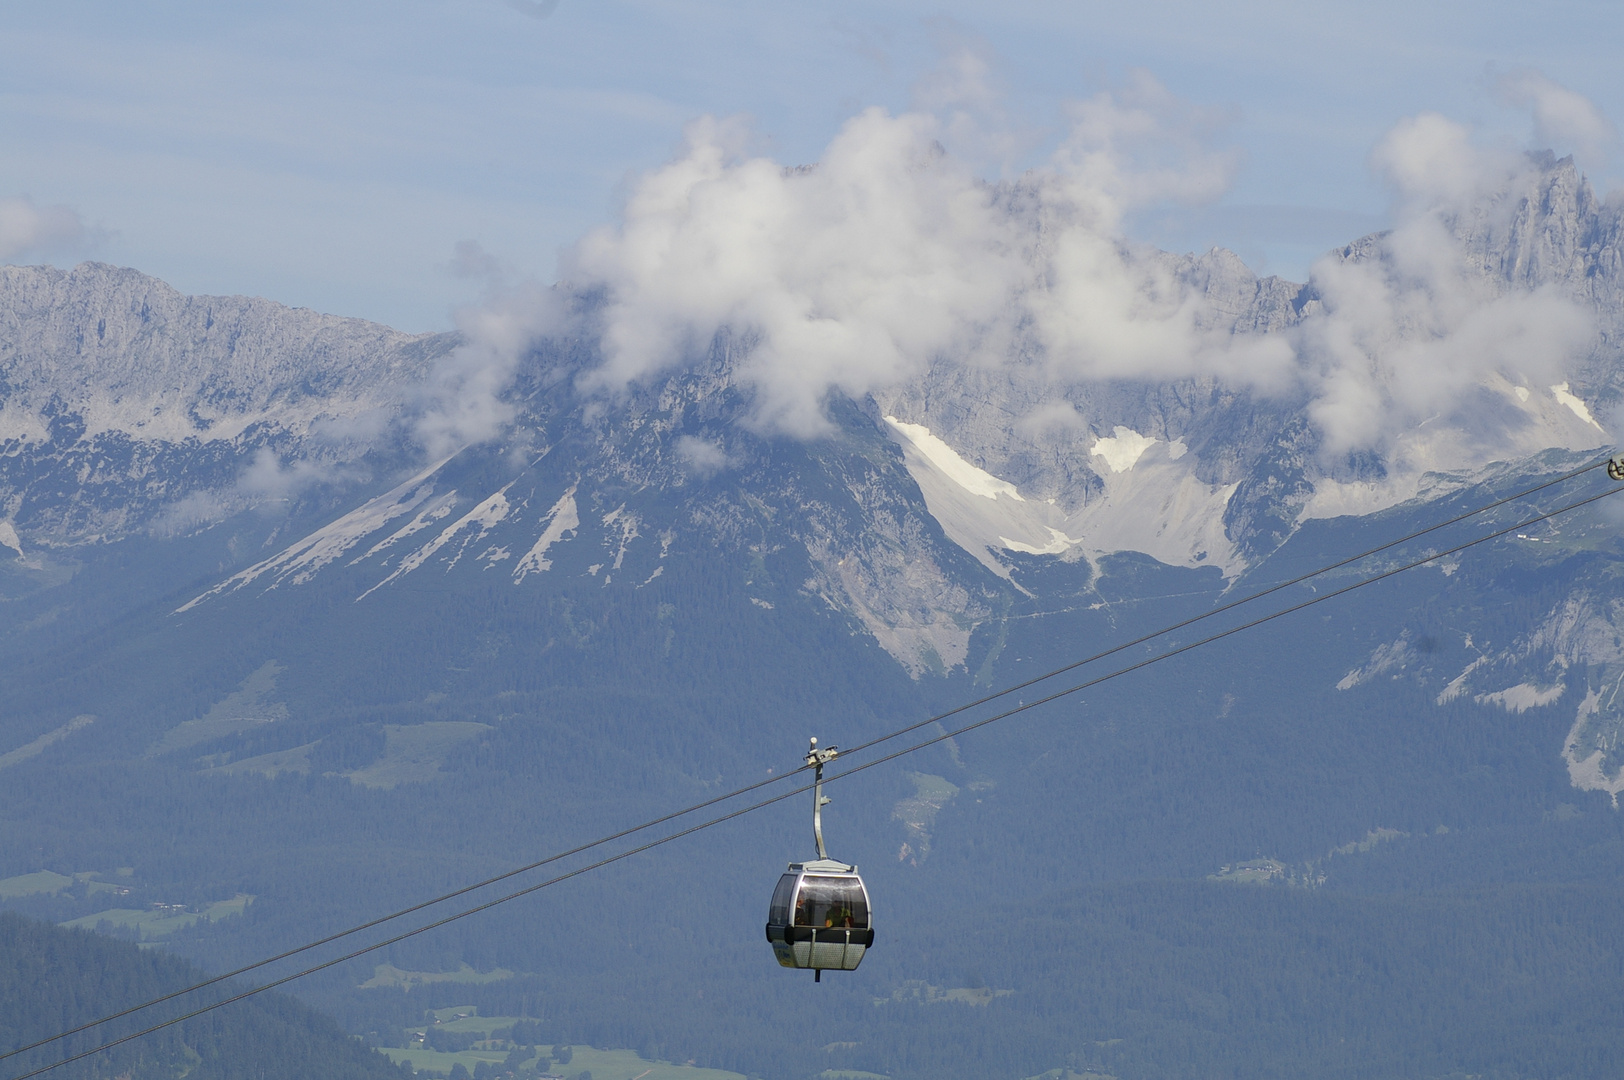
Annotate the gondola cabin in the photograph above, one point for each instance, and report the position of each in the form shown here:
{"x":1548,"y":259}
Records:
{"x":819,"y":917}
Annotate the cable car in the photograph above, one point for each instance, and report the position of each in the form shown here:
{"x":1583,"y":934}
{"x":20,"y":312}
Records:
{"x":819,"y":915}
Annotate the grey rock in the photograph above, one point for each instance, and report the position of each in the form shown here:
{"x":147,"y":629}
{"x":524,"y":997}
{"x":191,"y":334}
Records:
{"x":126,"y":352}
{"x":121,"y":398}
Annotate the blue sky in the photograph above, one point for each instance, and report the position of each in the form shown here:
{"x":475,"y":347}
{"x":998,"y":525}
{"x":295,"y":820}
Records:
{"x":332,"y":156}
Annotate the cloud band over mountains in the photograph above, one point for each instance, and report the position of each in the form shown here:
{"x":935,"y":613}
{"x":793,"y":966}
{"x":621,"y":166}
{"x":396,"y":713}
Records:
{"x":29,"y":229}
{"x":891,"y":254}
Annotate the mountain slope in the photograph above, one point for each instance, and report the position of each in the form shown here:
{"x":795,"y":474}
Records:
{"x":52,"y":979}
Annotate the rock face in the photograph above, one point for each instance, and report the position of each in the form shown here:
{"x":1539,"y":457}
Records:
{"x":120,"y":397}
{"x":1569,"y":659}
{"x":104,"y":349}
{"x":1551,"y":229}
{"x":127,"y":408}
{"x":1256,"y":453}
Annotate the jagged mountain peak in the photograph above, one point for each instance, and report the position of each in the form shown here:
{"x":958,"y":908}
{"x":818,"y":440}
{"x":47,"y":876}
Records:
{"x":149,"y":400}
{"x":124,"y":352}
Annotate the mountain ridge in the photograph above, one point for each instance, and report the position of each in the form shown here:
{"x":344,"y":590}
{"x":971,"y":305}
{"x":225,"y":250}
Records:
{"x":352,"y":674}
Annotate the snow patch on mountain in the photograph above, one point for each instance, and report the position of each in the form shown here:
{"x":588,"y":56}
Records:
{"x":1123,"y":448}
{"x":424,"y":508}
{"x":300,"y":562}
{"x":1523,"y":696}
{"x":978,"y":511}
{"x":1058,"y":543}
{"x":562,"y":518}
{"x":436,"y":509}
{"x":484,"y":517}
{"x":1392,"y":656}
{"x":1457,"y":686}
{"x":1590,"y":743}
{"x":1576,"y":403}
{"x":947,"y":461}
{"x":627,"y":523}
{"x":1152,"y":503}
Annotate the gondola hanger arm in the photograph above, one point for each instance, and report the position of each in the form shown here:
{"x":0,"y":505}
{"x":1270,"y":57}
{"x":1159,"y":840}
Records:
{"x":817,"y":759}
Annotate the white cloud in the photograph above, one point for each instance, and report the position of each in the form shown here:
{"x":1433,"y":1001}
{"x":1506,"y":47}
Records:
{"x":702,"y":457}
{"x":1050,"y":419}
{"x":1402,"y":335}
{"x":265,"y":481}
{"x":470,"y":260}
{"x":267,"y":478}
{"x":1139,"y":145}
{"x":463,"y":402}
{"x":853,"y":273}
{"x":27,"y":228}
{"x":889,"y":253}
{"x":1432,"y":162}
{"x":1563,"y":120}
{"x":965,"y":93}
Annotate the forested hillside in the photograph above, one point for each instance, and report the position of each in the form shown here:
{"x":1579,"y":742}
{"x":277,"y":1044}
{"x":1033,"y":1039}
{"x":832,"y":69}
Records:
{"x":53,"y":979}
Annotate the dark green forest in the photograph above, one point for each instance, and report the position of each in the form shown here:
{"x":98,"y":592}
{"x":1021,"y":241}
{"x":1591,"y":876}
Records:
{"x":1148,"y":980}
{"x":53,"y":979}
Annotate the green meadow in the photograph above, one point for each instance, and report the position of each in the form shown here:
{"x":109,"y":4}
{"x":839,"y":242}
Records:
{"x":602,"y":1064}
{"x":151,"y":924}
{"x":48,"y":882}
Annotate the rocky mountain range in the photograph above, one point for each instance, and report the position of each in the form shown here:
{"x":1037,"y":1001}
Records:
{"x":258,"y":618}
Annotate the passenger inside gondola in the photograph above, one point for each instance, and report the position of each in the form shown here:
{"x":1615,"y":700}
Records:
{"x":831,"y":902}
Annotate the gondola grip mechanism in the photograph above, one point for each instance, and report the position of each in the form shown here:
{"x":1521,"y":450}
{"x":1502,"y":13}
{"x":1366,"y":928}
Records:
{"x":817,"y":759}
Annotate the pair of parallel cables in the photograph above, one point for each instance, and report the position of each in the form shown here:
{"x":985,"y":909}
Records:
{"x":1615,"y":471}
